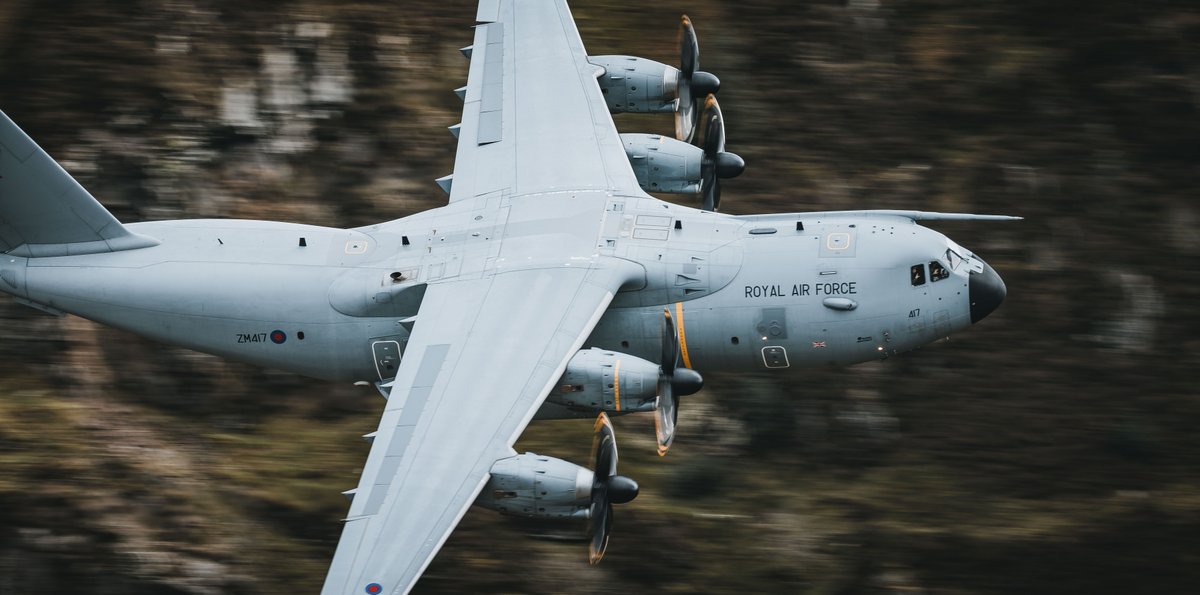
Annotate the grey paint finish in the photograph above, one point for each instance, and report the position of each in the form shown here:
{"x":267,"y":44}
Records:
{"x":44,"y":211}
{"x":411,"y":406}
{"x":548,"y":245}
{"x":475,"y":411}
{"x":566,"y":137}
{"x":491,"y":104}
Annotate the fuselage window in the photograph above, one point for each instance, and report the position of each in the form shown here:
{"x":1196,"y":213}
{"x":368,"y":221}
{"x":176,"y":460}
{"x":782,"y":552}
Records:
{"x":917,"y":274}
{"x":937,"y":272}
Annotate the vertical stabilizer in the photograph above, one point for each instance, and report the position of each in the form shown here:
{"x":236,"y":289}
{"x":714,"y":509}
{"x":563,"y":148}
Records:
{"x":45,"y":212}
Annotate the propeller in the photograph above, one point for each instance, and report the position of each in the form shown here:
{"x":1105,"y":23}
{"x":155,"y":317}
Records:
{"x":717,"y":164}
{"x":673,"y":382}
{"x":608,"y":488}
{"x":694,"y":85}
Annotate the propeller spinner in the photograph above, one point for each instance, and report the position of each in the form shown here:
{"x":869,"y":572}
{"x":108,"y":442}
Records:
{"x":673,"y":382}
{"x":608,"y":488}
{"x":694,"y":85}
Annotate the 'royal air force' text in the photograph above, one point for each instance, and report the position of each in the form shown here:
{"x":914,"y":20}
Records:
{"x":803,"y":289}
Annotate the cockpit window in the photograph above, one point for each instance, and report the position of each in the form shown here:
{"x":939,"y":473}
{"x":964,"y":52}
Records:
{"x":954,"y":259}
{"x":937,"y":272}
{"x":917,"y":274}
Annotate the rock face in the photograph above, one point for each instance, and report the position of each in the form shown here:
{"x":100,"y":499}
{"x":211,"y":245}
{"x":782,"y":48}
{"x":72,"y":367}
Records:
{"x":1052,"y":445}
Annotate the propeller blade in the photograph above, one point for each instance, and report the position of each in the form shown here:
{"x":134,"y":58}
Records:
{"x":673,"y":381}
{"x":714,"y":144}
{"x":689,"y":47}
{"x":601,"y":526}
{"x":665,"y":416}
{"x":670,"y":345}
{"x":718,"y":164}
{"x":604,"y":449}
{"x":685,"y":114}
{"x":693,"y":84}
{"x":608,"y":488}
{"x":714,"y":126}
{"x":712,"y":192}
{"x":702,"y":83}
{"x":689,"y":61}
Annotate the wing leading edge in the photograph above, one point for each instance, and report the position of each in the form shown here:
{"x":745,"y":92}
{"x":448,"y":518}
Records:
{"x":483,"y":356}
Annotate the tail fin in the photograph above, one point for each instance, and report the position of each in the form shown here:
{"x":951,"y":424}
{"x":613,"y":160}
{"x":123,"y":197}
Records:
{"x":45,"y":212}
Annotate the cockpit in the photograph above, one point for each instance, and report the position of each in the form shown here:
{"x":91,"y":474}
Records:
{"x":985,"y":288}
{"x":955,"y":259}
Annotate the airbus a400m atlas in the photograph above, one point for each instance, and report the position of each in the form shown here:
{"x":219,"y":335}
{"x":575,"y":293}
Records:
{"x":552,"y":285}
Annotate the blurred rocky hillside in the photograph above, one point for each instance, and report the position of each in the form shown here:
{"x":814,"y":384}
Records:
{"x":1051,"y":449}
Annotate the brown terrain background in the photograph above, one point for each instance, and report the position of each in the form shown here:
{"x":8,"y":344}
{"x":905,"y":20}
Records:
{"x":1050,"y":449}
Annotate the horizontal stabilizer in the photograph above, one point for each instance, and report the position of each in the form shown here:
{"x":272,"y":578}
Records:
{"x":45,"y":212}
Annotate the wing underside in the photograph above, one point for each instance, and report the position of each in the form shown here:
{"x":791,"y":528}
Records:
{"x":482,"y":358}
{"x":534,"y":119}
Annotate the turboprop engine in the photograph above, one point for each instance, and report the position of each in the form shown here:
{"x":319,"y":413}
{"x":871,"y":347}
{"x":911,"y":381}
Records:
{"x":536,"y":486}
{"x":636,"y":85}
{"x":664,"y":164}
{"x":599,"y":380}
{"x":695,"y":161}
{"x":539,"y":487}
{"x":672,"y":166}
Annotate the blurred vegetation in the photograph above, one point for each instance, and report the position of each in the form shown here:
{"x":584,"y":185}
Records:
{"x":1049,"y":450}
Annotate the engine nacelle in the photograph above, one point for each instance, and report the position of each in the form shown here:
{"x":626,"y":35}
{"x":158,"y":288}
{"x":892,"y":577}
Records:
{"x":663,"y":164}
{"x":534,"y":486}
{"x":598,"y":380}
{"x":637,"y":85}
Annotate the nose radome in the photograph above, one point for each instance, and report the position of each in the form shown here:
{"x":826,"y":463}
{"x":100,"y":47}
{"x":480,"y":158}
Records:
{"x":986,"y":292}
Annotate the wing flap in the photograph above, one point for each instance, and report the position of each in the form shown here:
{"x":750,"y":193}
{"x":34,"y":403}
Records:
{"x":491,"y":100}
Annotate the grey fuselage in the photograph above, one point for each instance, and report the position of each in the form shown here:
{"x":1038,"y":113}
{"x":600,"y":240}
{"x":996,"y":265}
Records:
{"x":773,"y":292}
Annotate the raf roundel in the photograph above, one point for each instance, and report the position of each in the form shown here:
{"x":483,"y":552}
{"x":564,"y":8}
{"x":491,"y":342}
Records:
{"x":374,"y":589}
{"x":278,"y":337}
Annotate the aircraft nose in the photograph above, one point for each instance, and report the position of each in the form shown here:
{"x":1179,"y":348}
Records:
{"x":986,"y":292}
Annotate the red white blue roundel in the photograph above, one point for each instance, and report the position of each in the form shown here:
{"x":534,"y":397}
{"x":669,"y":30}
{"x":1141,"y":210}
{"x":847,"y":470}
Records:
{"x":278,"y":337}
{"x":374,"y":589}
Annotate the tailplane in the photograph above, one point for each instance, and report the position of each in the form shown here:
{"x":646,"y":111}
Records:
{"x":45,"y":212}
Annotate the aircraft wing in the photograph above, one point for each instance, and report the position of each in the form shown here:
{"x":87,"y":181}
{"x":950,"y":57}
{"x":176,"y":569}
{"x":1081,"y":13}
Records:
{"x":538,"y":154}
{"x":534,"y":119}
{"x":483,"y":355}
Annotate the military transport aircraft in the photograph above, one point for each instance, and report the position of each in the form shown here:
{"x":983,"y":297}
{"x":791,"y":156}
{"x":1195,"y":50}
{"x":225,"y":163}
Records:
{"x":551,"y":286}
